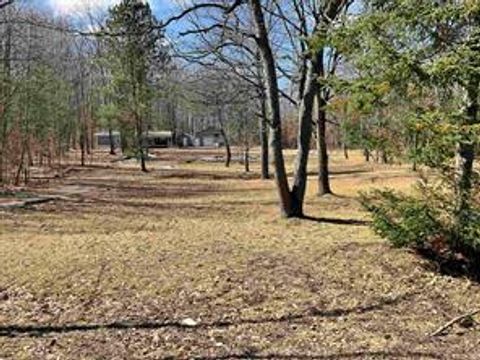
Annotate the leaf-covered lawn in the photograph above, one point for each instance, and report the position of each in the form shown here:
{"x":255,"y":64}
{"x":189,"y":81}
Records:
{"x":126,"y":263}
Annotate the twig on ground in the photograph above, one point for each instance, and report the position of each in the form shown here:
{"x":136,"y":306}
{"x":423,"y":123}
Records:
{"x":452,"y":322}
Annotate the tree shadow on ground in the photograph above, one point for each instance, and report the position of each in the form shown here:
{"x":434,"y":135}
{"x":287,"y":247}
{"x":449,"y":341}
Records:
{"x":338,"y":356}
{"x":12,"y":331}
{"x":337,"y":172}
{"x":205,"y":175}
{"x":335,"y":221}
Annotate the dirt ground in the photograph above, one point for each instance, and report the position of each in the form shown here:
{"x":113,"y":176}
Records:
{"x":191,"y":261}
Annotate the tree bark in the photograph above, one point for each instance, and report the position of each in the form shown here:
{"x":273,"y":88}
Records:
{"x":82,"y":148}
{"x":20,"y":166}
{"x":73,"y":137}
{"x":123,"y":140}
{"x":273,"y":108}
{"x":465,"y":156}
{"x":111,"y":139}
{"x":345,"y":151}
{"x":142,"y":143}
{"x":384,"y":157}
{"x":143,"y":164}
{"x":415,"y":149}
{"x":92,"y":125}
{"x":366,"y":153}
{"x":304,"y":139}
{"x":88,"y":145}
{"x":6,"y":95}
{"x":228,"y":150}
{"x":323,"y":169}
{"x":247,"y":159}
{"x":263,"y":126}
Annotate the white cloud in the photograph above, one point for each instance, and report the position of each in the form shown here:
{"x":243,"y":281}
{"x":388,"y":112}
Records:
{"x":68,"y":7}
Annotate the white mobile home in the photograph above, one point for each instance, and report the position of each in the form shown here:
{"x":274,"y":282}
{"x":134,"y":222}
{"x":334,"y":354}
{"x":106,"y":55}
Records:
{"x":210,"y":137}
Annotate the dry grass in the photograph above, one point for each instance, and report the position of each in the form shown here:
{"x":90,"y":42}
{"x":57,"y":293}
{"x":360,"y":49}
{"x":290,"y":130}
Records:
{"x":110,"y":273}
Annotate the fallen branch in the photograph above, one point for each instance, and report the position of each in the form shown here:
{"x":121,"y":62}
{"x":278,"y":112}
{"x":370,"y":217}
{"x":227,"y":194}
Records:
{"x":453,"y":322}
{"x":28,"y":202}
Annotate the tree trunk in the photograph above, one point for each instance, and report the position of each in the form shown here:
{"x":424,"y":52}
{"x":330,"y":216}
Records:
{"x":384,"y":157}
{"x":263,"y":125}
{"x":20,"y":166}
{"x":228,"y":150}
{"x":273,"y":108}
{"x":26,"y":174}
{"x":323,"y":170}
{"x":82,"y":148}
{"x":465,"y":157}
{"x":415,"y":149}
{"x":83,"y":131}
{"x":30,"y":156}
{"x":304,"y":139}
{"x":141,"y":145}
{"x":91,"y":133}
{"x":3,"y":117}
{"x":366,"y":153}
{"x":345,"y":150}
{"x":5,"y":94}
{"x":49,"y":157}
{"x":24,"y":161}
{"x":143,"y":164}
{"x":171,"y":107}
{"x":73,"y":137}
{"x":111,"y":139}
{"x":247,"y":159}
{"x":464,"y":163}
{"x":88,"y":145}
{"x":123,"y":141}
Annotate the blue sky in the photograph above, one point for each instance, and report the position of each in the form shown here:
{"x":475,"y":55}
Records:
{"x":163,"y":9}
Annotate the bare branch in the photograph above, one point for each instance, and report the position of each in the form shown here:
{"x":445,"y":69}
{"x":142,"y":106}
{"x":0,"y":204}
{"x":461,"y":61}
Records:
{"x":5,"y":3}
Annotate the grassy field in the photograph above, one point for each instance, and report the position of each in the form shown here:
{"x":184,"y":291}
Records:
{"x":191,"y":261}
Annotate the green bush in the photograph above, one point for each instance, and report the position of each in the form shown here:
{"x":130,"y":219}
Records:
{"x":403,"y":220}
{"x":441,"y":216}
{"x":428,"y":221}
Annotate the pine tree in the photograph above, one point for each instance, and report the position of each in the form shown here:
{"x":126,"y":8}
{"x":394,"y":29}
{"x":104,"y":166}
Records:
{"x":135,"y":45}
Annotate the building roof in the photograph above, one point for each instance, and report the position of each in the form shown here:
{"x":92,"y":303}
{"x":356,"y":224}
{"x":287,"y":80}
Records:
{"x":160,"y":134}
{"x":106,"y":133}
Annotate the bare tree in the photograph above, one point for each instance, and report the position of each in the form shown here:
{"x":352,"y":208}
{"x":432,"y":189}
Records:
{"x":280,"y":43}
{"x":304,"y":22}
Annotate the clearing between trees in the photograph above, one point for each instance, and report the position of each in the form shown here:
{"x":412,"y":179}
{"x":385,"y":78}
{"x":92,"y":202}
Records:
{"x":191,"y":261}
